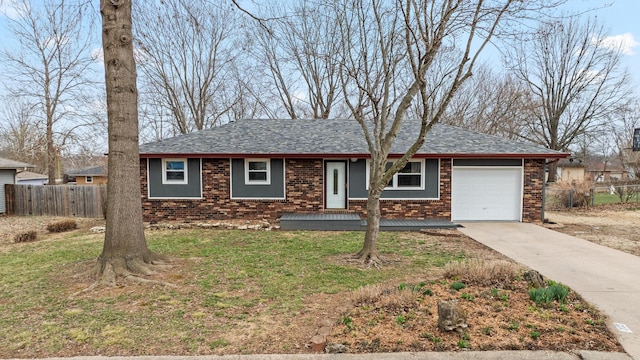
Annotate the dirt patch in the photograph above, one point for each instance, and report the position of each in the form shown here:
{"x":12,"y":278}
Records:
{"x":498,"y":319}
{"x":615,"y":228}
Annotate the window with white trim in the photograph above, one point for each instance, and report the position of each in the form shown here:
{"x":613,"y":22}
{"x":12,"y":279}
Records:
{"x":174,"y":171}
{"x":88,"y":179}
{"x":410,"y":177}
{"x":257,"y":171}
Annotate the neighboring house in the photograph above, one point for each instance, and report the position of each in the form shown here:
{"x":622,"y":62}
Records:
{"x":31,"y":178}
{"x":571,"y":171}
{"x":606,"y":172}
{"x":8,"y":170}
{"x":266,"y":168}
{"x":96,"y":175}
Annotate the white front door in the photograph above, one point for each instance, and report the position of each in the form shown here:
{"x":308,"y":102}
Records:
{"x":336,"y":184}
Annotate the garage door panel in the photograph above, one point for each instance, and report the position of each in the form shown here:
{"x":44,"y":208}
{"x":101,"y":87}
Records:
{"x":486,"y":194}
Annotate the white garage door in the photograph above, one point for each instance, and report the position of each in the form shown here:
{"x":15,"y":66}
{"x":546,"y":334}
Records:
{"x":486,"y":194}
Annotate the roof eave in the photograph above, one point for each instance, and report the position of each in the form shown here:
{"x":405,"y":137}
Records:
{"x":76,"y":175}
{"x":356,"y":155}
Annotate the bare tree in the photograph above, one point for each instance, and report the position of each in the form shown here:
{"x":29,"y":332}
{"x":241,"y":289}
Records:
{"x":490,"y":103}
{"x":51,"y":68}
{"x":395,"y":53}
{"x":575,"y":79}
{"x":622,"y":124}
{"x":298,"y":54}
{"x":190,"y":73}
{"x":21,"y":137}
{"x":125,"y":252}
{"x":249,"y":103}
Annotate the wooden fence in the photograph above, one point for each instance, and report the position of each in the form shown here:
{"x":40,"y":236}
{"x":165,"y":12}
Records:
{"x":88,"y":201}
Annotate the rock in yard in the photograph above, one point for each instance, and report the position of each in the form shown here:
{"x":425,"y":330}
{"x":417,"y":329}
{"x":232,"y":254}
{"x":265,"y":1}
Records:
{"x":98,"y":229}
{"x":336,"y":349}
{"x":324,"y":331}
{"x":451,"y":317}
{"x":534,"y":279}
{"x":318,"y":343}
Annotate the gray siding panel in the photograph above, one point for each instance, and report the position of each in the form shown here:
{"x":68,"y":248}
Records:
{"x":240,"y":190}
{"x":358,"y":179}
{"x":192,"y":189}
{"x":487,"y":162}
{"x":358,"y":182}
{"x":6,"y":177}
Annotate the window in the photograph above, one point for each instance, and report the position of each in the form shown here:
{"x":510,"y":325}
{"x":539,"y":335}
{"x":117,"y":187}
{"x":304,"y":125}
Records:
{"x":410,"y":177}
{"x":257,"y":171}
{"x":88,"y":179}
{"x":174,"y":171}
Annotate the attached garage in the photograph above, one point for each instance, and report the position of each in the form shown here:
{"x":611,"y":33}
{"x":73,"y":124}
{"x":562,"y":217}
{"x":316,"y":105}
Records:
{"x":487,"y":190}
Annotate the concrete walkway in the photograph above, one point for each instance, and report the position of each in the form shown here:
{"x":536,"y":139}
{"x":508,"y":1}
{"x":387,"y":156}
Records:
{"x":607,"y":278}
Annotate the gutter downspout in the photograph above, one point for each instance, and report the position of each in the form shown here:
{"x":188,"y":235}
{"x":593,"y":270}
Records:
{"x":544,"y":189}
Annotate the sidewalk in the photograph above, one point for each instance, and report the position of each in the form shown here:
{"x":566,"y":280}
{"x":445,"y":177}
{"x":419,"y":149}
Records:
{"x":607,"y":278}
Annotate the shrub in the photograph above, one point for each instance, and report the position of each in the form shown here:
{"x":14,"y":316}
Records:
{"x":62,"y":226}
{"x":575,"y":194}
{"x":26,"y":236}
{"x":457,"y":286}
{"x":545,"y":296}
{"x":626,"y":190}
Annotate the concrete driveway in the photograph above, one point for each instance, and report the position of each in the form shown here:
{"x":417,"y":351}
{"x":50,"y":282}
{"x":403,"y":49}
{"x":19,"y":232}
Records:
{"x":607,"y":278}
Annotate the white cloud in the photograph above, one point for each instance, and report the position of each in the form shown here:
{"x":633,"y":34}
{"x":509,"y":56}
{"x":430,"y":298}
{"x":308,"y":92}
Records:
{"x":625,"y":42}
{"x":97,"y":55}
{"x":13,"y":9}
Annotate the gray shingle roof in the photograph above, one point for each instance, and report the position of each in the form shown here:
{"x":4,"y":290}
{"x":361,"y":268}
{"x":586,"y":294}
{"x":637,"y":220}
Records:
{"x":12,"y":164}
{"x":333,"y":137}
{"x":28,"y":175}
{"x":90,"y":171}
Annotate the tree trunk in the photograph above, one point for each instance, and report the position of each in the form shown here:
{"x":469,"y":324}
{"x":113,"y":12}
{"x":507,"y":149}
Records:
{"x":125,"y":250}
{"x":369,"y":252}
{"x":51,"y":154}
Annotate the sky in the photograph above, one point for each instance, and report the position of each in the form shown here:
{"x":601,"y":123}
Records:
{"x":621,"y":20}
{"x":619,"y":17}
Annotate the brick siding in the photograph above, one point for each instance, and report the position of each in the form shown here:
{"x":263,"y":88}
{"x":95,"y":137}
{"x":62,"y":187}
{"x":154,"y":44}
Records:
{"x":532,"y":191}
{"x":304,"y":194}
{"x":303,"y":189}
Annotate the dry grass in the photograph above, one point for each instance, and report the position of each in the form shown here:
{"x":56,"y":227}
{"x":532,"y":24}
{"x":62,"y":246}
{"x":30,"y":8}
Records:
{"x":385,"y":296}
{"x":497,"y":273}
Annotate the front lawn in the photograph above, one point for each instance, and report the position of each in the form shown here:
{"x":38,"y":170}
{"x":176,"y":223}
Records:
{"x":236,"y":292}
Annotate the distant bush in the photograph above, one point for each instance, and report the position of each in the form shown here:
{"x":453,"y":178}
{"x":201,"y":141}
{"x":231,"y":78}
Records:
{"x":626,"y":190}
{"x":26,"y":236}
{"x":62,"y":226}
{"x":575,"y":194}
